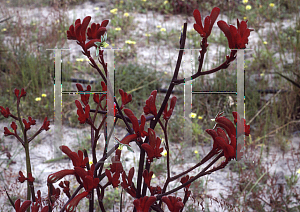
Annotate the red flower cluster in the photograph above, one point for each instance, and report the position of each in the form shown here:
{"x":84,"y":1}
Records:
{"x":143,"y":204}
{"x":152,"y":149}
{"x":22,"y":178}
{"x":174,"y":204}
{"x":116,"y":168}
{"x":147,"y":178}
{"x":221,"y":141}
{"x":150,"y":104}
{"x":237,"y":38}
{"x":94,"y":33}
{"x":167,"y":113}
{"x":77,"y":159}
{"x":208,"y":22}
{"x":127,"y":183}
{"x":138,"y":129}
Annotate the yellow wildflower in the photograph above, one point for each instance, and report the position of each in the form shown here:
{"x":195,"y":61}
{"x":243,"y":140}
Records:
{"x":153,"y":176}
{"x":298,"y":171}
{"x":245,"y":1}
{"x":44,"y":95}
{"x":196,"y":151}
{"x":114,"y":11}
{"x":144,"y":0}
{"x":265,"y":42}
{"x":38,"y":99}
{"x":118,"y":28}
{"x":148,"y":35}
{"x":248,"y":7}
{"x":126,"y":14}
{"x":166,"y":2}
{"x":96,"y":8}
{"x":130,"y":42}
{"x":79,"y":59}
{"x":163,"y":29}
{"x":121,"y":2}
{"x":271,"y":4}
{"x":200,"y":117}
{"x":91,"y":162}
{"x":164,"y":153}
{"x":158,"y":26}
{"x":4,"y":29}
{"x":245,"y":18}
{"x":193,"y":115}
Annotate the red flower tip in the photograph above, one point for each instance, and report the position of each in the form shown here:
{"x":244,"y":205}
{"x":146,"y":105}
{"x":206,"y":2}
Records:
{"x":167,"y":114}
{"x":237,"y":38}
{"x":5,"y":112}
{"x":114,"y":180}
{"x":126,"y":98}
{"x":208,"y":22}
{"x":21,"y":177}
{"x":143,"y":204}
{"x":174,"y":204}
{"x":46,"y":124}
{"x":152,"y":148}
{"x":7,"y":132}
{"x":185,"y":179}
{"x":53,"y":178}
{"x":147,"y":177}
{"x":71,"y":206}
{"x":23,"y":207}
{"x":150,"y":106}
{"x":241,"y":123}
{"x":77,"y":159}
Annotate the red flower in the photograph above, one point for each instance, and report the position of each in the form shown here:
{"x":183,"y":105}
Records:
{"x":66,"y":187}
{"x":71,"y":206}
{"x":84,"y":97}
{"x":139,"y":130}
{"x":46,"y":124}
{"x":237,"y":38}
{"x":114,"y":180}
{"x":23,"y":93}
{"x":185,"y":179}
{"x":35,"y":207}
{"x":4,"y":112}
{"x":23,"y":207}
{"x":174,"y":204}
{"x":240,"y":127}
{"x":150,"y":104}
{"x":96,"y":96}
{"x":147,"y":177}
{"x":127,"y":184}
{"x":83,"y":116}
{"x":167,"y":114}
{"x":21,"y":178}
{"x":143,"y":204}
{"x":116,"y":165}
{"x":28,"y":124}
{"x":53,"y":178}
{"x":208,"y":22}
{"x":77,"y":159}
{"x":126,"y":98}
{"x":94,"y":33}
{"x":78,"y":32}
{"x":7,"y":132}
{"x":219,"y":143}
{"x":153,"y":149}
{"x":89,"y":182}
{"x":155,"y":190}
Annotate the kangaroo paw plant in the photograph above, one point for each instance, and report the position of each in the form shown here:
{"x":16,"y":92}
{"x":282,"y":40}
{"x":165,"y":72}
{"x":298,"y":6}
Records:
{"x":93,"y":180}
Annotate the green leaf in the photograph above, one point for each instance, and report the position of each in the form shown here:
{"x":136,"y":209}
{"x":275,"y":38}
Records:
{"x":128,"y":147}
